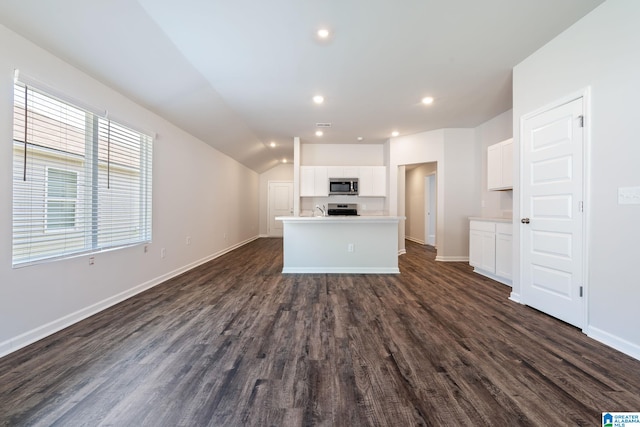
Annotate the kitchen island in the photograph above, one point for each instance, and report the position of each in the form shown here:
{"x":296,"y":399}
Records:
{"x":340,"y":244}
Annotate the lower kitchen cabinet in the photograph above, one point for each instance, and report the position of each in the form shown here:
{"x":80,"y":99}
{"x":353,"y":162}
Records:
{"x":490,"y":248}
{"x":504,"y":250}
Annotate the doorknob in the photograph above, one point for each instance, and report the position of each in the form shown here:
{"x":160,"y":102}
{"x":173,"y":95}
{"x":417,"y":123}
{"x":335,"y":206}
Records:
{"x":525,"y":220}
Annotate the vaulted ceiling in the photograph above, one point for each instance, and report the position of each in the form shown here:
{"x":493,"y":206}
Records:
{"x":241,"y":74}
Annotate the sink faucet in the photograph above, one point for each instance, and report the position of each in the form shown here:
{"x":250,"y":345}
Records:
{"x":322,"y":209}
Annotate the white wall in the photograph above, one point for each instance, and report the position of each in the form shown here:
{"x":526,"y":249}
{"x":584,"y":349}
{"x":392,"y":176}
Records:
{"x":496,"y":203}
{"x":599,"y":52}
{"x":462,"y":191}
{"x":342,"y":154}
{"x":197,"y":192}
{"x":282,"y":172}
{"x":456,"y":153}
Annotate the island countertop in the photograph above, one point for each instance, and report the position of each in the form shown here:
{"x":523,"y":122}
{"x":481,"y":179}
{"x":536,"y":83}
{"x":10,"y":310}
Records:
{"x":341,"y":218}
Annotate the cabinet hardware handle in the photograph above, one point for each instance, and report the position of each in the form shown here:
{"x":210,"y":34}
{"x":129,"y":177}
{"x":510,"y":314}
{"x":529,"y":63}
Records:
{"x":525,"y":220}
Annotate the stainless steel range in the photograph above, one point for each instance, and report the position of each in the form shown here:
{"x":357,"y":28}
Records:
{"x":343,"y":209}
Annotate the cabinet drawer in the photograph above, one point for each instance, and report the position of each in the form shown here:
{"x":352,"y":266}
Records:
{"x":483,"y":226}
{"x":502,"y":228}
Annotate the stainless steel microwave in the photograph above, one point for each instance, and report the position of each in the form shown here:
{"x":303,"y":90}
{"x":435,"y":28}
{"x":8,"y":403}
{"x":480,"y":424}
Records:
{"x":343,"y":186}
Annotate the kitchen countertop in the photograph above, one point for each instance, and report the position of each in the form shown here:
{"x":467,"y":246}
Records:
{"x":491,"y":219}
{"x":340,"y":218}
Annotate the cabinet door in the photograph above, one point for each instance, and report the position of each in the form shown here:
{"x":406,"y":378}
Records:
{"x":335,"y":172}
{"x":351,"y":172}
{"x":494,"y":166}
{"x":507,"y":164}
{"x":314,"y":181}
{"x":342,"y":171}
{"x":321,"y":182}
{"x":373,"y":181}
{"x":504,"y":250}
{"x":500,"y":165}
{"x":475,"y":248}
{"x":482,"y":245}
{"x":488,"y":252}
{"x":503,"y":255}
{"x":307,"y":181}
{"x":380,"y":181}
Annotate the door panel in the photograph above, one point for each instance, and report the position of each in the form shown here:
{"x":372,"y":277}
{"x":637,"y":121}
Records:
{"x":280,"y":204}
{"x":552,"y":258}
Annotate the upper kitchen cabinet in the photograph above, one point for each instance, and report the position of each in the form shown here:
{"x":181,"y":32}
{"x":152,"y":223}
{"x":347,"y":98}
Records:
{"x":314,"y":181}
{"x":342,"y":172}
{"x":500,"y":165}
{"x":373,"y":181}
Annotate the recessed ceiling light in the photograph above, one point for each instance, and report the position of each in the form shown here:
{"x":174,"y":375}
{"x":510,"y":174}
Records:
{"x":319,"y":133}
{"x":323,"y":33}
{"x":395,"y":133}
{"x":272,"y":144}
{"x":360,"y":138}
{"x":318,"y":99}
{"x":427,"y":100}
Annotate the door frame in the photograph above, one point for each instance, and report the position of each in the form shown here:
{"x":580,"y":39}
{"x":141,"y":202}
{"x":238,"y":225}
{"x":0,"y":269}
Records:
{"x":430,"y":206}
{"x":269,"y":214}
{"x":585,"y":94}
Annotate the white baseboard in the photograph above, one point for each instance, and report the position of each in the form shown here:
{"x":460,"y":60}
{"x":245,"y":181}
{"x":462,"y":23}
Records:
{"x":452,"y":258}
{"x":624,"y":346}
{"x":502,"y":280}
{"x":515,"y":297}
{"x":341,"y":270}
{"x":413,"y":239}
{"x":29,"y":337}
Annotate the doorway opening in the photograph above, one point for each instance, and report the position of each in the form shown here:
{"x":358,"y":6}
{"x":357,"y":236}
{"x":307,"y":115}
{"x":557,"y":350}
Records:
{"x":420,"y":203}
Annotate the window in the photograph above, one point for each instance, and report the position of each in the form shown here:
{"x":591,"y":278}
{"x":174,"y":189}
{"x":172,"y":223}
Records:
{"x":62,"y":197}
{"x":81,"y":182}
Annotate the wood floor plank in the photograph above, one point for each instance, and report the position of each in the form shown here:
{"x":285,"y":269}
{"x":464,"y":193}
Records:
{"x":236,"y":342}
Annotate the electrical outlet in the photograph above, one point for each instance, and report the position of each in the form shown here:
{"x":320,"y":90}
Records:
{"x":224,"y":236}
{"x":350,"y":247}
{"x":188,"y":240}
{"x":92,"y":260}
{"x":146,"y":248}
{"x":163,"y":253}
{"x":629,"y":195}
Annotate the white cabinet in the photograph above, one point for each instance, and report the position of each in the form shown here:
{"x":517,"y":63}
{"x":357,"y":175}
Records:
{"x":342,"y":172}
{"x":490,"y":249}
{"x":372,"y":181}
{"x":500,"y":165}
{"x":314,"y":181}
{"x":482,"y":245}
{"x":504,"y":250}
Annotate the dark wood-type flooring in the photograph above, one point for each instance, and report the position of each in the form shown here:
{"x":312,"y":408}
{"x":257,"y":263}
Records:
{"x":235,"y":342}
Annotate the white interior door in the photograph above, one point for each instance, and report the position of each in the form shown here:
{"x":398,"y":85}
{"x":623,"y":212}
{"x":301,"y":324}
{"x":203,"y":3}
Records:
{"x":552,"y":217}
{"x":430,"y":209}
{"x":280,"y":204}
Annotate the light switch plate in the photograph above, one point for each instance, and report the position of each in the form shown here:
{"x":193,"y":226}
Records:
{"x":629,"y":195}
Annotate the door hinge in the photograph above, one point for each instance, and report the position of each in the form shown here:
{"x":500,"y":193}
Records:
{"x":581,"y":206}
{"x":581,"y":121}
{"x":580,"y":291}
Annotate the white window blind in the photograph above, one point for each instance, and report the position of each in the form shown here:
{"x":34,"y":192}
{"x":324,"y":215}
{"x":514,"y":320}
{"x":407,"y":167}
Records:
{"x":81,"y":182}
